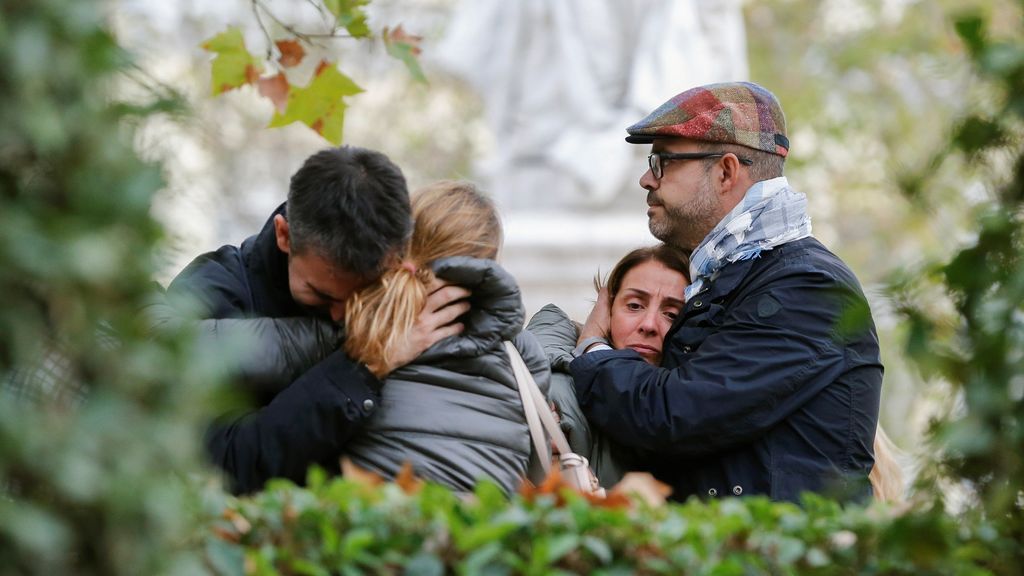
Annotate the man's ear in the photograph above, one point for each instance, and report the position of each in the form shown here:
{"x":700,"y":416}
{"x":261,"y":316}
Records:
{"x":729,"y":173}
{"x":281,"y":233}
{"x":733,"y":180}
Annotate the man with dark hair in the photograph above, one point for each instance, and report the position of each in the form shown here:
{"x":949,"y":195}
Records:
{"x":346,"y":216}
{"x":770,"y":377}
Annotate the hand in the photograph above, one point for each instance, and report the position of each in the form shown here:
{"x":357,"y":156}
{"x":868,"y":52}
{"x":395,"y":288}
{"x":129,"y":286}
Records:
{"x":600,"y":318}
{"x":445,"y":303}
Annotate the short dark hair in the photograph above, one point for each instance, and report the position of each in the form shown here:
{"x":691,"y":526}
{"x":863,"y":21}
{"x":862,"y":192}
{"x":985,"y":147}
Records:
{"x":350,"y":206}
{"x":671,"y":257}
{"x":765,"y":167}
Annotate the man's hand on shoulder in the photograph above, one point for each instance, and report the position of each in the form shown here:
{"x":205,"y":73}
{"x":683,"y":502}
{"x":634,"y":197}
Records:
{"x":445,"y":303}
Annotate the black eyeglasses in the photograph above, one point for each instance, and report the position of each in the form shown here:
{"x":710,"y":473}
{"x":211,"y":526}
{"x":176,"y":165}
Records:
{"x":656,"y":159}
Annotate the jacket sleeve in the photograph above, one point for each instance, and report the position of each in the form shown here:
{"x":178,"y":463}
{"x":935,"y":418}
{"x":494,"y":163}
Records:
{"x":309,"y":422}
{"x":557,"y":334}
{"x":266,"y":354}
{"x":215,"y":284}
{"x":773,"y":351}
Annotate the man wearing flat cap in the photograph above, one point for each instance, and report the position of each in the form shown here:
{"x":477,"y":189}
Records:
{"x":771,"y":375}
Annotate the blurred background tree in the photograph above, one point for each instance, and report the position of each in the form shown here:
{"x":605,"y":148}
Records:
{"x":99,"y":424}
{"x":905,"y":133}
{"x":979,"y":346}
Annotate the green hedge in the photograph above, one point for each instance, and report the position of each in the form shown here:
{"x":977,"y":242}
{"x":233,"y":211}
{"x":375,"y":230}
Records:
{"x":343,"y":527}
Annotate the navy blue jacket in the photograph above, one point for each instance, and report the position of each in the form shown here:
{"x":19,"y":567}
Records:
{"x":307,"y":422}
{"x":769,"y":383}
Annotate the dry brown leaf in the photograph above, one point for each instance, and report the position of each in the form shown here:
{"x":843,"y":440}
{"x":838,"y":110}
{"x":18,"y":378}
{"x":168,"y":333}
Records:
{"x":554,"y":484}
{"x":226,"y":535}
{"x":252,"y":73}
{"x":292,"y":52}
{"x":237,"y":520}
{"x":407,"y":480}
{"x":275,"y":88}
{"x":359,"y":475}
{"x":644,"y":486}
{"x":400,"y":36}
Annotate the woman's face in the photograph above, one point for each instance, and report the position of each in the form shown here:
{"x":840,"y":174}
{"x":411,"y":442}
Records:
{"x":648,"y":301}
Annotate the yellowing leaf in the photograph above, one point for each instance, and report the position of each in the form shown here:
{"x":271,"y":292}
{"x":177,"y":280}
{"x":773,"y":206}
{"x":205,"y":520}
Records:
{"x":292,"y":53}
{"x":350,"y":15}
{"x":405,"y":47}
{"x":234,"y":66}
{"x":320,"y":105}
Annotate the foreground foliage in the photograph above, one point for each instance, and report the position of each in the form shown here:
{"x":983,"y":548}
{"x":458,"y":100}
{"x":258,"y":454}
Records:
{"x":345,"y":527}
{"x":96,"y":419}
{"x":978,"y":346}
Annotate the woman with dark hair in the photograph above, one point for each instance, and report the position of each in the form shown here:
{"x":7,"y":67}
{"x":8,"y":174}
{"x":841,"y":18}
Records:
{"x":645,"y":289}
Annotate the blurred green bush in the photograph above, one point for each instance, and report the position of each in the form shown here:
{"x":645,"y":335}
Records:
{"x":99,"y":424}
{"x":343,"y":527}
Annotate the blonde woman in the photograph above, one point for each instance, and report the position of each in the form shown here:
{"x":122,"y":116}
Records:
{"x":455,"y":412}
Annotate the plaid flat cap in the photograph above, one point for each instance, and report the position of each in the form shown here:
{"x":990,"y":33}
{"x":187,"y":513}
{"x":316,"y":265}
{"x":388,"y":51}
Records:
{"x":732,"y":112}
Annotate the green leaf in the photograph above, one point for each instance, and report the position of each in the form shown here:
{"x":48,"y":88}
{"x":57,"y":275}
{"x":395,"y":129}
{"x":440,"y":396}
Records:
{"x":424,"y":564}
{"x":561,"y":545}
{"x":355,"y":542}
{"x":405,"y":47}
{"x":599,"y":548}
{"x":234,"y":66}
{"x":976,"y":134}
{"x":480,"y":558}
{"x":307,"y":568}
{"x":320,"y":105}
{"x":972,"y":31}
{"x":350,"y":15}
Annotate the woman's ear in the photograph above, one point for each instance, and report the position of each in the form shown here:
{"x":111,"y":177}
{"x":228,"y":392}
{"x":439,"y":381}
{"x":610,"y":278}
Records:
{"x":281,"y":233}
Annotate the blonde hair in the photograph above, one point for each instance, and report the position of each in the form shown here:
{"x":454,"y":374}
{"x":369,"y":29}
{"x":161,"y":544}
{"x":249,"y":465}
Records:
{"x":886,"y":475}
{"x":450,"y":218}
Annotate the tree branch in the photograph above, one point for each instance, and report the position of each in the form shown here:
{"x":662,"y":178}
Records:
{"x":308,"y":37}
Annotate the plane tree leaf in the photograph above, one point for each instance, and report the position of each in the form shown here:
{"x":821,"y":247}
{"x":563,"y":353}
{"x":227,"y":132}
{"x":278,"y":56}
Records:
{"x":234,"y":66}
{"x":291,"y":51}
{"x":351,"y":15}
{"x":320,"y":105}
{"x":405,"y":47}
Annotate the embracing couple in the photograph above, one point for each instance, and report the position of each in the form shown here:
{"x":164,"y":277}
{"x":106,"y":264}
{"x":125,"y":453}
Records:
{"x":737,"y":358}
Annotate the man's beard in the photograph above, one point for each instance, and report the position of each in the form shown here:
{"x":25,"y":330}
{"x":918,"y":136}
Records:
{"x":685,"y":226}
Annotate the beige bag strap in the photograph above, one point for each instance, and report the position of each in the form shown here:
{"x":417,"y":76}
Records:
{"x":536,"y":407}
{"x":532,"y":419}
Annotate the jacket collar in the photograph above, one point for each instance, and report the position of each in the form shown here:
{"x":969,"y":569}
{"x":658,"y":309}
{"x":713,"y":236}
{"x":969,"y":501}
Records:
{"x":267,"y":273}
{"x":496,"y":307}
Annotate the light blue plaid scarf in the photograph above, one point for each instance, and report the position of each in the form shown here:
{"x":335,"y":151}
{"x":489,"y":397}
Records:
{"x":770,"y":214}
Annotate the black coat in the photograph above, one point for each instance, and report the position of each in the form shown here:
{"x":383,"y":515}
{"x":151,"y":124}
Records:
{"x":307,"y":422}
{"x":769,"y":384}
